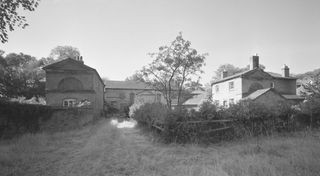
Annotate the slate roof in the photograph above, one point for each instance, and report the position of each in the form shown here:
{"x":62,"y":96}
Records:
{"x":197,"y":92}
{"x":293,"y":97}
{"x":274,"y":75}
{"x":260,"y":92}
{"x":257,"y":93}
{"x":80,"y":64}
{"x":196,"y":99}
{"x":110,"y":84}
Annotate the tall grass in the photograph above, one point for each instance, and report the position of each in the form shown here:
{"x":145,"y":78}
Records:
{"x":102,"y":149}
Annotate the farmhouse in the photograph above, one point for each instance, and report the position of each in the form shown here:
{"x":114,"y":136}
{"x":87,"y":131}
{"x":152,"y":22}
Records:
{"x":71,"y":83}
{"x":122,"y":94}
{"x":255,"y":84}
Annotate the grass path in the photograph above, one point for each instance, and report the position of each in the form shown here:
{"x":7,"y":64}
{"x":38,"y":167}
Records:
{"x":102,"y":149}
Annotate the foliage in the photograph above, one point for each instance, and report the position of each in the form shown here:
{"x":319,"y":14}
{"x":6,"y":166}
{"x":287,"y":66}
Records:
{"x":21,"y":75}
{"x":172,"y":67}
{"x":312,"y":103}
{"x":231,"y":69}
{"x":18,"y":118}
{"x":212,"y":124}
{"x":110,"y":109}
{"x":9,"y":17}
{"x":150,"y":114}
{"x":63,"y":52}
{"x":135,"y":77}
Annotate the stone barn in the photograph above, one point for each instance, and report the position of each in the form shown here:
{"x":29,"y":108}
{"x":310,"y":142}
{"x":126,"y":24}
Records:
{"x":71,"y":83}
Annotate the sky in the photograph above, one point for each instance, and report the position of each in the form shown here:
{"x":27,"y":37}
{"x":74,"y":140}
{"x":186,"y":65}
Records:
{"x":115,"y":36}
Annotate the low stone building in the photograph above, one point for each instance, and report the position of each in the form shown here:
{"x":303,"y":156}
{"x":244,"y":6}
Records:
{"x":255,"y":84}
{"x":71,"y":83}
{"x":122,"y":94}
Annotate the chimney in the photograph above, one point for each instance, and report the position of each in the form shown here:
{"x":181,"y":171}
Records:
{"x":285,"y":71}
{"x":254,"y":62}
{"x":224,"y":74}
{"x":80,"y":59}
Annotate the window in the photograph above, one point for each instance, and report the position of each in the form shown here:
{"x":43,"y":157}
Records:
{"x":69,"y":102}
{"x":217,"y":88}
{"x":231,"y":101}
{"x":225,"y":103}
{"x":231,"y":85}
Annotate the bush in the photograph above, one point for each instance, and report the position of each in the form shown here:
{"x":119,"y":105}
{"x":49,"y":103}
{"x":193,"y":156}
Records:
{"x":150,"y":114}
{"x":16,"y":119}
{"x":248,"y":119}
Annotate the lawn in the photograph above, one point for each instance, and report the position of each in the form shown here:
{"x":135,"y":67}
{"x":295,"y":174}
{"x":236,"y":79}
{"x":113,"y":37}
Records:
{"x":103,"y":149}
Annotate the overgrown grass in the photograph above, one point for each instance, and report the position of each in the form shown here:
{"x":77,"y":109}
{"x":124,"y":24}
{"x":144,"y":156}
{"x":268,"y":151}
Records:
{"x":102,"y":149}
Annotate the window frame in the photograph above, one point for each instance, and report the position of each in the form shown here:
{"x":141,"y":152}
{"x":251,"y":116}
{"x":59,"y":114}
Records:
{"x":69,"y":102}
{"x":231,"y":85}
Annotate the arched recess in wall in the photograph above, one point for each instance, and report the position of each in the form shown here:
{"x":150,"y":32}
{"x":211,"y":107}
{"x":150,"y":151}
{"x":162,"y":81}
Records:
{"x":254,"y":87}
{"x":70,"y":83}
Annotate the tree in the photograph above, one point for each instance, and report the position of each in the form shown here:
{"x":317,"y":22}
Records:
{"x":21,"y":76}
{"x":63,"y":52}
{"x":135,"y":77}
{"x":231,"y":69}
{"x":312,"y":94}
{"x":173,"y":66}
{"x":9,"y":17}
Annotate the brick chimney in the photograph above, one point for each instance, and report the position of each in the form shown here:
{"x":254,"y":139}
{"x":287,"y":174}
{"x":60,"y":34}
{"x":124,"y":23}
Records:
{"x":224,"y":74}
{"x":254,"y":62}
{"x":79,"y":58}
{"x":285,"y":71}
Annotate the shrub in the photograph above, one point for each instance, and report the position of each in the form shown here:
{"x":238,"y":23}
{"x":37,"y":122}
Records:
{"x":109,"y":109}
{"x":248,"y":119}
{"x":16,"y":119}
{"x":150,"y":114}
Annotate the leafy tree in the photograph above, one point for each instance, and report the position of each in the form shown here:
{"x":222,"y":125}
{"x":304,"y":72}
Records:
{"x":22,"y":76}
{"x":135,"y":77}
{"x":63,"y":52}
{"x":312,"y":94}
{"x":9,"y":17}
{"x":231,"y":69}
{"x":194,"y":85}
{"x":173,"y":66}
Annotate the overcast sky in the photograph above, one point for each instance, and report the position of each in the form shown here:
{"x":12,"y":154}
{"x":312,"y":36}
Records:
{"x":114,"y":36}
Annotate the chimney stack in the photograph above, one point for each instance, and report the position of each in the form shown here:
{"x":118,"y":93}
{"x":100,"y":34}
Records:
{"x":254,"y":62}
{"x":285,"y":71}
{"x":224,"y":74}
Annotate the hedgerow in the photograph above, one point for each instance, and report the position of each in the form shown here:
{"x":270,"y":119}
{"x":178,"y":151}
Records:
{"x":212,"y":124}
{"x":16,"y":118}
